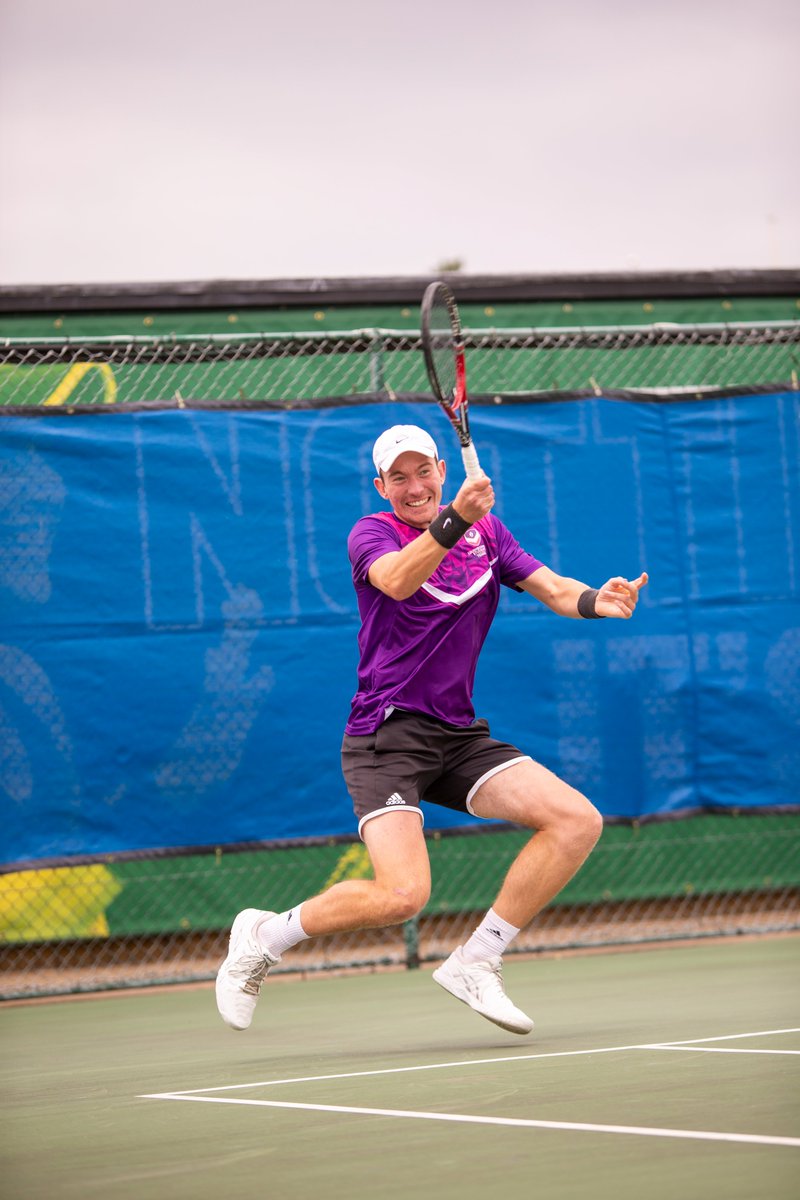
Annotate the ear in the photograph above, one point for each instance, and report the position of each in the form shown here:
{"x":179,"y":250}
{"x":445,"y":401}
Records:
{"x":442,"y":465}
{"x":380,"y":489}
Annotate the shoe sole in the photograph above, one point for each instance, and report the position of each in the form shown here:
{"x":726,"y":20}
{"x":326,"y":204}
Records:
{"x":465,"y":998}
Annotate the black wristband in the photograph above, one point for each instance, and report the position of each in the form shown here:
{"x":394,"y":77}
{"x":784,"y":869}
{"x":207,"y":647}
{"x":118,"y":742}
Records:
{"x":448,"y":527}
{"x":586,"y":605}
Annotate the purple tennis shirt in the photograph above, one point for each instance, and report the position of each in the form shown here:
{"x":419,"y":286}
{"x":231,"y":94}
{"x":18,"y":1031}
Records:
{"x":421,"y":654}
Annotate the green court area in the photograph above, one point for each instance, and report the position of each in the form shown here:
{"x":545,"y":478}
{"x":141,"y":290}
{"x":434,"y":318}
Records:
{"x":656,"y":1073}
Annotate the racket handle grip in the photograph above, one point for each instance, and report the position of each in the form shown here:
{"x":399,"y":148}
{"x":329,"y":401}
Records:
{"x":471,"y":464}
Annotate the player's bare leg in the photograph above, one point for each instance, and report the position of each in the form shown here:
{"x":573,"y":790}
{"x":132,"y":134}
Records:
{"x":400,"y":888}
{"x":567,"y":824}
{"x":568,"y":827}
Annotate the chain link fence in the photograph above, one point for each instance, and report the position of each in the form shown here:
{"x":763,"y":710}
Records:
{"x":134,"y":919}
{"x":293,"y":370}
{"x":122,"y":922}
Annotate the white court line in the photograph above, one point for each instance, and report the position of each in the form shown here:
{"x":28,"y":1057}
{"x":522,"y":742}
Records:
{"x":692,"y":1044}
{"x":722,"y":1050}
{"x":466,"y":1062}
{"x":725,"y":1037}
{"x":515,"y":1122}
{"x":469,"y":1062}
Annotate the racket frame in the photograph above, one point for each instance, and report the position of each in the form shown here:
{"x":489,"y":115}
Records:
{"x":455,"y":405}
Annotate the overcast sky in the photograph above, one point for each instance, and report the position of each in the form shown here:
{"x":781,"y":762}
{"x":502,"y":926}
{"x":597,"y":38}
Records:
{"x":147,"y":140}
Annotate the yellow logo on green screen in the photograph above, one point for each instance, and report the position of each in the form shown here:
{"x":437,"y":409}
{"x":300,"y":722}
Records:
{"x":56,"y":902}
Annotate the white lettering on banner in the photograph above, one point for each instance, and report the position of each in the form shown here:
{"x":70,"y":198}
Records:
{"x":210,"y":746}
{"x":311,"y":491}
{"x":662,"y":675}
{"x":33,"y":498}
{"x":39,"y":753}
{"x":221,"y":712}
{"x":197,"y":543}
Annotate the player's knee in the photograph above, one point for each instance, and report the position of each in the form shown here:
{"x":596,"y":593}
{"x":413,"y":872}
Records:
{"x":591,"y":824}
{"x":407,"y":902}
{"x":582,"y":825}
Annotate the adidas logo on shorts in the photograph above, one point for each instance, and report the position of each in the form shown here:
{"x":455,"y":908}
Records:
{"x":395,"y":798}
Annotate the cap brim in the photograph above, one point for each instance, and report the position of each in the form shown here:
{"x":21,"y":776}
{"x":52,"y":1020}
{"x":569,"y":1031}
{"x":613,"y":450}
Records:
{"x":389,"y":459}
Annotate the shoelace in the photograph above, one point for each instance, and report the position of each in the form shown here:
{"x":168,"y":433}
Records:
{"x":252,"y":968}
{"x":493,"y":984}
{"x":494,"y":979}
{"x":491,"y":979}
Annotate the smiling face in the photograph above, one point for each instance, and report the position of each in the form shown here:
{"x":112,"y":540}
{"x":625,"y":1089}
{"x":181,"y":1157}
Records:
{"x":413,"y":487}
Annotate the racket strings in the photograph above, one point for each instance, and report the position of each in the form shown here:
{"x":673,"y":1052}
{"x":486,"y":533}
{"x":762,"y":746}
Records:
{"x":443,"y":347}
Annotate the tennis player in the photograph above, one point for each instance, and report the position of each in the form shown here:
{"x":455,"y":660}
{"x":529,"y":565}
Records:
{"x":428,"y":580}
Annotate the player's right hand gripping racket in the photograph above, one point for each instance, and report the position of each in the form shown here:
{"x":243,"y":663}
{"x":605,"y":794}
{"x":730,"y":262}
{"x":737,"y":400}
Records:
{"x":443,"y":347}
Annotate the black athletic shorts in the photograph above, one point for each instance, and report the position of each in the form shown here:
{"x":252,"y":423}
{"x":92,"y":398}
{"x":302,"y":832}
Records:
{"x":411,"y":758}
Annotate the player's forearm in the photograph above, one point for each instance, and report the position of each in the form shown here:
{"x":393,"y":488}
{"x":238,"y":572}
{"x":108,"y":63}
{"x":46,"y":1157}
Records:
{"x":564,"y":599}
{"x":402,"y":572}
{"x":559,"y":592}
{"x":617,"y":597}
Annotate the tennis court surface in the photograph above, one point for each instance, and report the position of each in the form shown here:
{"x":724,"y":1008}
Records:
{"x":668,"y":1072}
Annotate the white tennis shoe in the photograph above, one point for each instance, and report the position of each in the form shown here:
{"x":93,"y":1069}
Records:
{"x":240,"y":977}
{"x":480,"y":985}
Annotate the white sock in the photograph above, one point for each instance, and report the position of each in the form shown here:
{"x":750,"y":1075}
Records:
{"x":281,"y":932}
{"x":489,"y":939}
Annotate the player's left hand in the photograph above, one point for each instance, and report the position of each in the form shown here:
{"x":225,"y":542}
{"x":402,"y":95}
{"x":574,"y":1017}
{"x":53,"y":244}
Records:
{"x":619,"y":596}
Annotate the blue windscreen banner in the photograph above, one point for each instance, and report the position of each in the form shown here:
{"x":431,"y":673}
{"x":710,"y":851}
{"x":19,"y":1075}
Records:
{"x":178,"y":645}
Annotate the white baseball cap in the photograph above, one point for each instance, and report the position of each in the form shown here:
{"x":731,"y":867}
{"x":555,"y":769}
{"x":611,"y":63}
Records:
{"x":397,"y":440}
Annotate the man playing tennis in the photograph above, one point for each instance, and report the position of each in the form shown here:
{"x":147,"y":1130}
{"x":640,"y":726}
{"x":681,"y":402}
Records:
{"x":428,"y":582}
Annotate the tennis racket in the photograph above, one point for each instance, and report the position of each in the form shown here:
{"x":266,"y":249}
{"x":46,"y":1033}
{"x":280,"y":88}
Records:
{"x":443,"y":347}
